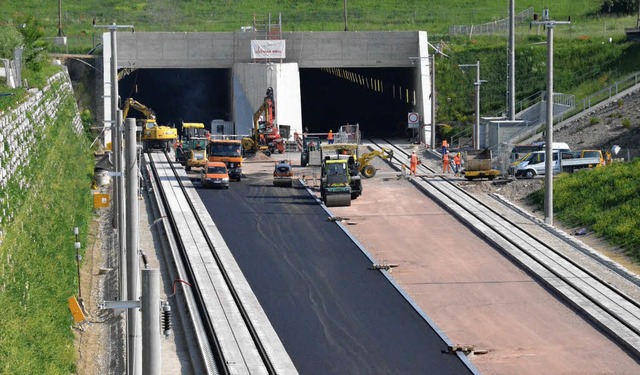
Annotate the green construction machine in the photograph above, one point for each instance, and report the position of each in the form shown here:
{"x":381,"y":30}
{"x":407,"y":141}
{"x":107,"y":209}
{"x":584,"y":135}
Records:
{"x":193,"y":136}
{"x":340,"y":179}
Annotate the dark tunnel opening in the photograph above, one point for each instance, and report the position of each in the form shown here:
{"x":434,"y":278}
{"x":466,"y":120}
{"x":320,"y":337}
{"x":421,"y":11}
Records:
{"x":176,"y":95}
{"x":376,"y":98}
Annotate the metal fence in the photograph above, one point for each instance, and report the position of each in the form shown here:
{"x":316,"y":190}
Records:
{"x":499,"y":26}
{"x":603,"y":95}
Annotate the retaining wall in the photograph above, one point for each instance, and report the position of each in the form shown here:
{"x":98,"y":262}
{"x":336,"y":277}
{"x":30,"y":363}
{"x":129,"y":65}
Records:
{"x":23,"y":129}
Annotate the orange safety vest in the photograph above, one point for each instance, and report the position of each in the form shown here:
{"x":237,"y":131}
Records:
{"x":456,"y":160}
{"x":414,"y":159}
{"x":330,"y":136}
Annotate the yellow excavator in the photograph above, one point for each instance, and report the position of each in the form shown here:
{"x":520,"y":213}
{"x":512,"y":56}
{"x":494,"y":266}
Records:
{"x":154,"y":136}
{"x":364,"y":161}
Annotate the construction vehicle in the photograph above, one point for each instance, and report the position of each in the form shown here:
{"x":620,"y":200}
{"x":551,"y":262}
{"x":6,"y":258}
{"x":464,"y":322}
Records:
{"x":228,"y":151}
{"x":265,"y":136}
{"x":534,"y":164}
{"x":283,"y":174}
{"x":340,"y":175}
{"x":197,"y":158}
{"x":364,"y":161}
{"x":478,"y":165}
{"x":154,"y":136}
{"x":192,"y":136}
{"x":311,"y":154}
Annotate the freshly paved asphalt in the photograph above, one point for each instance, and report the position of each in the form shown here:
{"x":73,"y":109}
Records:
{"x":333,"y":313}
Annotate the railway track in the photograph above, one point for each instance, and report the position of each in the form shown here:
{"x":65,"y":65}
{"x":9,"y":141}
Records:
{"x":610,"y":309}
{"x":233,"y":333}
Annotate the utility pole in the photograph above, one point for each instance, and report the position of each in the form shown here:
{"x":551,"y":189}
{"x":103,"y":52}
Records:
{"x":548,"y":161}
{"x":60,"y":33}
{"x":346,"y":27}
{"x":432,"y":60}
{"x":133,"y":265}
{"x":477,"y":84}
{"x":511,"y":88}
{"x":118,"y":188}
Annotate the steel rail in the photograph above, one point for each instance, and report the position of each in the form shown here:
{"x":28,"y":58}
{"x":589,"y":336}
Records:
{"x":219,"y":355}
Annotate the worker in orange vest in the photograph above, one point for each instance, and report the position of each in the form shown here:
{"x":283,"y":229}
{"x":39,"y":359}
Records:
{"x":456,"y":163}
{"x":330,"y":137}
{"x":413,"y":164}
{"x":446,"y":168}
{"x":445,"y":146}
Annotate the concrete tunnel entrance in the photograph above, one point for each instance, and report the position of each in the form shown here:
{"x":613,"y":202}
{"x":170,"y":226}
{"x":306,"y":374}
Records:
{"x":376,"y":98}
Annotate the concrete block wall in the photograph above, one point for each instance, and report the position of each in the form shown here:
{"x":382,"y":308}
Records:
{"x":23,"y":130}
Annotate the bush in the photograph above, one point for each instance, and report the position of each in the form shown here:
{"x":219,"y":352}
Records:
{"x":620,"y":102}
{"x":594,"y":120}
{"x":10,"y":38}
{"x":618,"y":6}
{"x":626,"y":123}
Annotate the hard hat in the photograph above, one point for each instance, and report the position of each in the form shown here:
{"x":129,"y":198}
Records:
{"x":414,"y":151}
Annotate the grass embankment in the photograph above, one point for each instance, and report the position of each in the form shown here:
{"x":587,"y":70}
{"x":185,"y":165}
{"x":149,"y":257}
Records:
{"x":607,"y":200}
{"x":37,"y":256}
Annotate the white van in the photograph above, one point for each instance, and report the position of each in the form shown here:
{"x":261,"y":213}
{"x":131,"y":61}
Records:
{"x":520,"y":153}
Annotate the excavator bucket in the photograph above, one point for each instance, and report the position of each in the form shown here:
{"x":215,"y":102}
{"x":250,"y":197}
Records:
{"x":337,"y":200}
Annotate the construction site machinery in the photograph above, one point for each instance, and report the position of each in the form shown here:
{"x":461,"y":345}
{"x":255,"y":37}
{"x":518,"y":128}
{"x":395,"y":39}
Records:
{"x":228,"y":151}
{"x":283,"y":174}
{"x":265,"y":136}
{"x":311,"y":154}
{"x":477,"y":164}
{"x":364,"y":161}
{"x":192,"y":135}
{"x":347,"y":155}
{"x":154,"y":136}
{"x":335,"y":187}
{"x":197,"y":158}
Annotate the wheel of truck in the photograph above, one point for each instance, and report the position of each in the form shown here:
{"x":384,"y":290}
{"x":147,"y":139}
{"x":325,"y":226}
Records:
{"x":530,"y":174}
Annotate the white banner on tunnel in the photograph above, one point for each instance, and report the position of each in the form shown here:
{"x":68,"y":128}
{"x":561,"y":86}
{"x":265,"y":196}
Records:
{"x":268,"y":49}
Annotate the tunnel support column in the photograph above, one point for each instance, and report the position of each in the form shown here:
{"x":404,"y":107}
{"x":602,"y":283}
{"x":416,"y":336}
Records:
{"x":250,"y":83}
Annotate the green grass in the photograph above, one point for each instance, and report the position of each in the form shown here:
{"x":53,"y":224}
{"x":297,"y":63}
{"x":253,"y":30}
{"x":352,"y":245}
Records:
{"x":607,"y":200}
{"x":38,"y":270}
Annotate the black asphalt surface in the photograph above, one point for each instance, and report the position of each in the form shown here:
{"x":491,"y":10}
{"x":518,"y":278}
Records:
{"x":333,"y":313}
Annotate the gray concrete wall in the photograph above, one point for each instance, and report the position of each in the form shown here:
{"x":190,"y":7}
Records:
{"x":308,"y":49}
{"x":250,"y":77}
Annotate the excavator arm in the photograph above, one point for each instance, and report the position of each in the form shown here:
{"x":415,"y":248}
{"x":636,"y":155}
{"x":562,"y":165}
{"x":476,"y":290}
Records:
{"x":132,"y":103}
